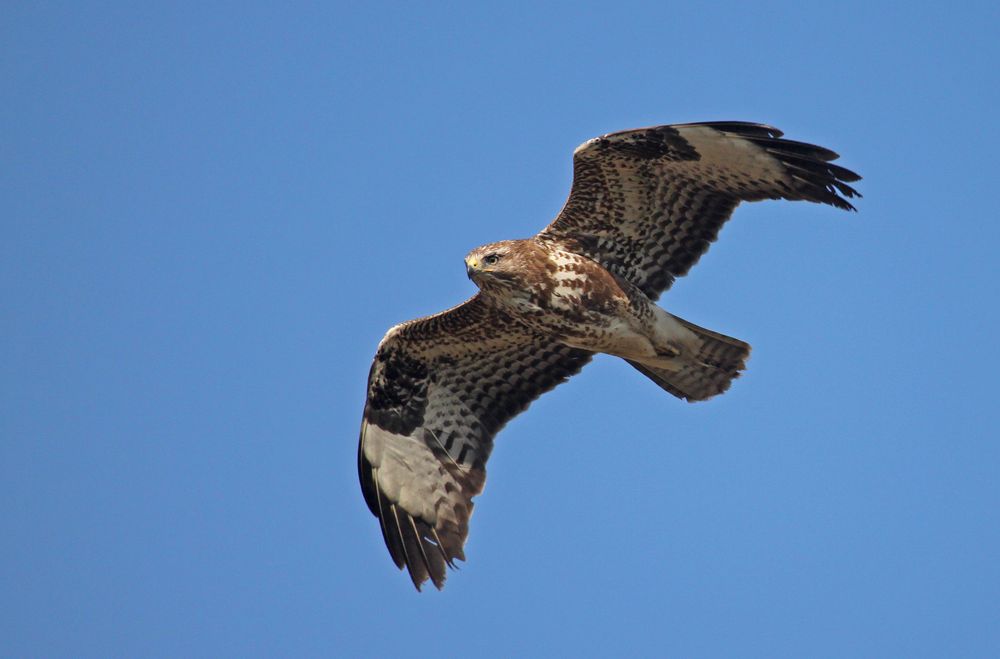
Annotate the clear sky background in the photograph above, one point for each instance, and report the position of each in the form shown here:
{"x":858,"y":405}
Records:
{"x":211,"y":215}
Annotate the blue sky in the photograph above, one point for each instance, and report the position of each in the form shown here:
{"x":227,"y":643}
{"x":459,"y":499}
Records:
{"x":211,"y":215}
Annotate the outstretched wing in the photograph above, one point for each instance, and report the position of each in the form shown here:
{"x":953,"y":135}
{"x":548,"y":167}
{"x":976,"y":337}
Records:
{"x":440,"y":388}
{"x":647,"y":203}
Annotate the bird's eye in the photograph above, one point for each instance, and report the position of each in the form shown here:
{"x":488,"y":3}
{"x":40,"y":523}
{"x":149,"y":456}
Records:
{"x":490,"y":259}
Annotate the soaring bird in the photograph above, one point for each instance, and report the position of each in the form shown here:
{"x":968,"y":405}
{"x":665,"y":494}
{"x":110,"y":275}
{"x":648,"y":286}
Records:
{"x":644,"y":206}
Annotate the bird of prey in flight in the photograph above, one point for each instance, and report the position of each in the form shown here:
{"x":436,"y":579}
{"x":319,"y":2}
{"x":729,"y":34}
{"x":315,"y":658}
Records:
{"x":644,"y":206}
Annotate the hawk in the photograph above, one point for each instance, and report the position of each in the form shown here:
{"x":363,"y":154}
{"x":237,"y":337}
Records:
{"x":644,"y":206}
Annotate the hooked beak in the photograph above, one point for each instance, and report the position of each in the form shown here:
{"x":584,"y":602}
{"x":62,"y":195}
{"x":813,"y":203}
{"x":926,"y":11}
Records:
{"x":471,"y":265}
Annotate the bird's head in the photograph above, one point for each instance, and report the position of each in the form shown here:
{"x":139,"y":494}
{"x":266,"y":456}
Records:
{"x":498,"y":264}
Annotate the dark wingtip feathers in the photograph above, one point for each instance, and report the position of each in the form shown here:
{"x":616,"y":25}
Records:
{"x":411,"y":547}
{"x":809,"y":164}
{"x":413,"y":544}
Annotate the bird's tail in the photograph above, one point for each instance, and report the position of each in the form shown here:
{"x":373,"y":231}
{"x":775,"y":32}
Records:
{"x":700,"y":376}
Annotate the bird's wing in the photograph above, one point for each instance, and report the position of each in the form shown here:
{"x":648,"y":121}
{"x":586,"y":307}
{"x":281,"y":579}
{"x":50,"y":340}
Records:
{"x":647,"y":203}
{"x":439,"y":390}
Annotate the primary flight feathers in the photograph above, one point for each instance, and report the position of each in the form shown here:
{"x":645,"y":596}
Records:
{"x":644,"y":206}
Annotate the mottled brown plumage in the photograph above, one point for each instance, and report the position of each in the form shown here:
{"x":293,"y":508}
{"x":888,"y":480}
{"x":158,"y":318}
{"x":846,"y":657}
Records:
{"x":644,"y":206}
